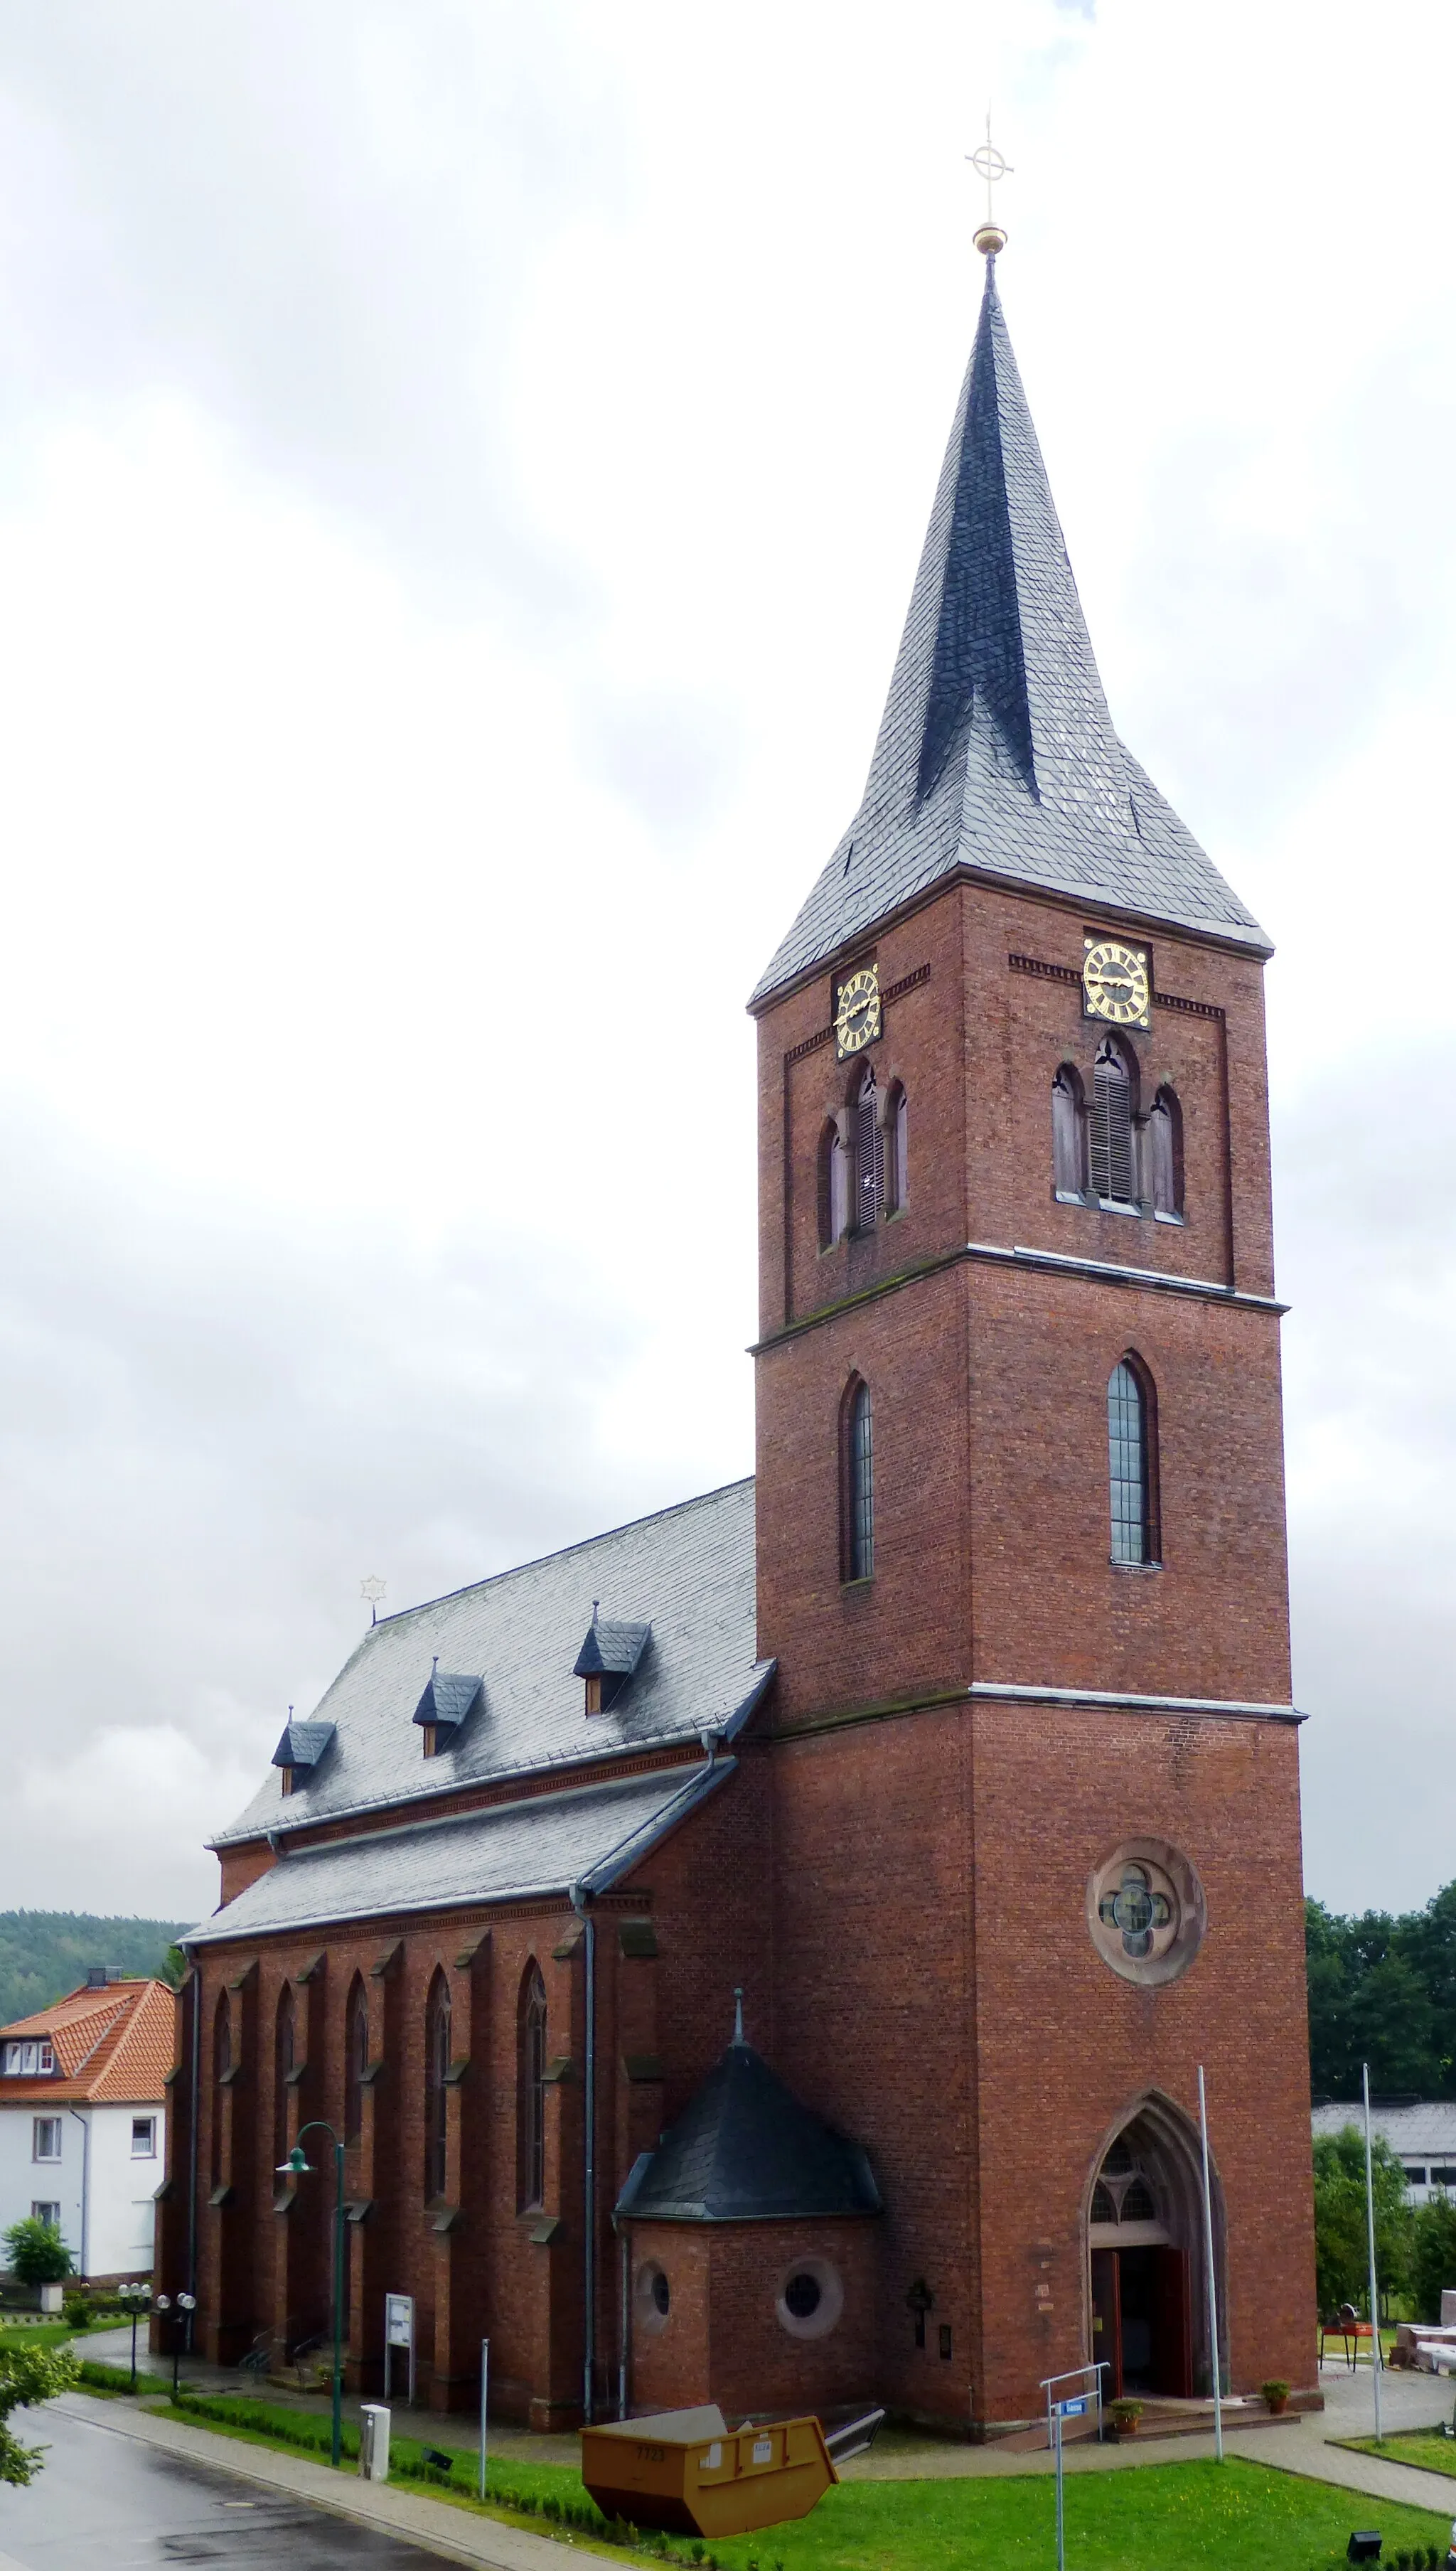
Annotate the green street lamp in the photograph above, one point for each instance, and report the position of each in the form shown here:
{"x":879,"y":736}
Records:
{"x":297,"y":2166}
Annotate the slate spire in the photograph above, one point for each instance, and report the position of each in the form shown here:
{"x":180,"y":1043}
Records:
{"x":997,"y":751}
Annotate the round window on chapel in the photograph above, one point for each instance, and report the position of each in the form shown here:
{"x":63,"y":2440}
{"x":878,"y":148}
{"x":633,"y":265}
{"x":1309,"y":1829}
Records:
{"x":1146,"y":1911}
{"x":803,"y":2296}
{"x":661,"y":2294}
{"x":652,"y":2298}
{"x":809,"y":2299}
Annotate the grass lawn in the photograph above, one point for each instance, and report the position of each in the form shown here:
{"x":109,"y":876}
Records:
{"x":35,"y":2334}
{"x":1177,"y":2517}
{"x":1424,"y":2446}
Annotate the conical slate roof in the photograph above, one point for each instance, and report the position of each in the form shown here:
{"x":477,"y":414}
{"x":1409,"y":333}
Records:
{"x":997,"y":750}
{"x":744,"y":2150}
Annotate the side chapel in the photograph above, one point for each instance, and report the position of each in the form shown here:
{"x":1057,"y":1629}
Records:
{"x":764,"y":1955}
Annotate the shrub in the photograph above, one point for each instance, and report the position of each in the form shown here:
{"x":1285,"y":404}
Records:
{"x":37,"y":2253}
{"x":28,"y":2376}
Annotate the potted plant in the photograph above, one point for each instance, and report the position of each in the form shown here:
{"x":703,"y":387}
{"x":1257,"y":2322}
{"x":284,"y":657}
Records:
{"x":1125,"y":2416}
{"x":1275,"y":2393}
{"x":39,"y":2257}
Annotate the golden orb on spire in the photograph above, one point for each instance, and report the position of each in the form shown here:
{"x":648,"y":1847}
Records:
{"x":992,"y":166}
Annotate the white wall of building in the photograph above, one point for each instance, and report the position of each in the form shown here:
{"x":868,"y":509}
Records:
{"x":110,"y":2233}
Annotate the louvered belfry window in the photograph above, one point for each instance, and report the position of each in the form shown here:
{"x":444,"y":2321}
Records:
{"x":1128,"y":1461}
{"x":859,"y":1497}
{"x":869,"y":1156}
{"x":1113,"y":1173}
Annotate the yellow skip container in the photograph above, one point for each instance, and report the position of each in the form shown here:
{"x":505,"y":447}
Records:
{"x":687,"y":2472}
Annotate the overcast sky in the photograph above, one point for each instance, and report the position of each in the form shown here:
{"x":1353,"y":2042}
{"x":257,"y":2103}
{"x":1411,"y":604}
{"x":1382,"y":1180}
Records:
{"x":461,"y":473}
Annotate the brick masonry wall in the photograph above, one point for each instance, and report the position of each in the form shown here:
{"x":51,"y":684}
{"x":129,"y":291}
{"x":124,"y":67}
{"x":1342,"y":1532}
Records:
{"x":722,"y":2339}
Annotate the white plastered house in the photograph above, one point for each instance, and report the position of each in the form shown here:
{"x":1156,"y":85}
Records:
{"x":82,"y":2138}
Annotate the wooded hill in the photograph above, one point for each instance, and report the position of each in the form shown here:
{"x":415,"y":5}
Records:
{"x":44,"y":1953}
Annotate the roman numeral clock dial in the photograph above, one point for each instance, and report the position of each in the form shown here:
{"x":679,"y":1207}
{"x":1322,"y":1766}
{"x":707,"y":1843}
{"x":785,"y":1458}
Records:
{"x":1115,"y":983}
{"x":857,"y":1014}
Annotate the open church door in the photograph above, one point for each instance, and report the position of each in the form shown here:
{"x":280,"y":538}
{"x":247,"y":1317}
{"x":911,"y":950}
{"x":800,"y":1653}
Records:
{"x":1107,"y":2322}
{"x":1173,"y":2336}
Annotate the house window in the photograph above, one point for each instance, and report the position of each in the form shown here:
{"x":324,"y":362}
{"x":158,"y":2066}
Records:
{"x":1069,"y":1136}
{"x":1415,"y":2175}
{"x":869,"y":1156}
{"x":44,"y":2209}
{"x":285,"y":1780}
{"x":531,"y":2092}
{"x":1165,"y":1157}
{"x":1129,"y":1464}
{"x":32,"y":2058}
{"x":46,"y":2138}
{"x":858,"y":1505}
{"x":1443,"y":2178}
{"x":356,"y":2062}
{"x":143,"y":2138}
{"x":1114,"y":1100}
{"x":437,"y":2068}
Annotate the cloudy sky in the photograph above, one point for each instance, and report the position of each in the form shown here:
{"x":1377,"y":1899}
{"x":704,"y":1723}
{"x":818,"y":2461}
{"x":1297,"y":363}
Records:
{"x":461,"y":472}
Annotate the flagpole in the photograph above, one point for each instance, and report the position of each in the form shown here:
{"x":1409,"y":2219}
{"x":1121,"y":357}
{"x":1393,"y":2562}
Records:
{"x":1212,"y":2288}
{"x":1370,"y":2239}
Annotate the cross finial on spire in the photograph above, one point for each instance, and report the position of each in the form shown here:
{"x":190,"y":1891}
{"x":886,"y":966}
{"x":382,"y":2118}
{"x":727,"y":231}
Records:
{"x":992,"y":166}
{"x":738,"y":2015}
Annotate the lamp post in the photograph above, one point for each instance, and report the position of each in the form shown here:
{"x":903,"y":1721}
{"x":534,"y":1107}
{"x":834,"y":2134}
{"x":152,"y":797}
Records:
{"x":138,"y":2296}
{"x":295,"y":2166}
{"x":182,"y":2304}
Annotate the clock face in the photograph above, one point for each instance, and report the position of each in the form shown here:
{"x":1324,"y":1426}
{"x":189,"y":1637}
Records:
{"x":1115,"y":983}
{"x":857,"y":1016}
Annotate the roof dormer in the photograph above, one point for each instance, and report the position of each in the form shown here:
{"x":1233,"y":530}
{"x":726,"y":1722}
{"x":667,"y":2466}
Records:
{"x":609,"y":1658}
{"x":300,"y":1751}
{"x":450,"y":1697}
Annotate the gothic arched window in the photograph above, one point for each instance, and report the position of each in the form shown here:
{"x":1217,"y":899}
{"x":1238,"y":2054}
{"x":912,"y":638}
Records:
{"x":1132,"y":1471}
{"x":283,"y":2058}
{"x":437,"y":2069}
{"x":1165,"y":1154}
{"x":834,"y":1178}
{"x":898,"y":1156}
{"x":1113,"y":1104}
{"x":531,"y":2091}
{"x":858,"y":1484}
{"x":869,"y":1155}
{"x":222,"y":2065}
{"x":1068,"y":1135}
{"x":356,"y":2061}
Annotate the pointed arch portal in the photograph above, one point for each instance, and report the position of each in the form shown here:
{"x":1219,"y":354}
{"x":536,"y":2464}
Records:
{"x":1146,"y":2264}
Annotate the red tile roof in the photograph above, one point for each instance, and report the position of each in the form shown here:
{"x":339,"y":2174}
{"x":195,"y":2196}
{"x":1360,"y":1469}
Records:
{"x":114,"y":2047}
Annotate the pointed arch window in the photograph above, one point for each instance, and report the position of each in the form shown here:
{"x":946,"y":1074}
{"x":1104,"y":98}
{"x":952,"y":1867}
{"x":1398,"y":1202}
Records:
{"x":858,"y":1484}
{"x":1069,"y":1136}
{"x":284,"y":2033}
{"x":897,"y":1151}
{"x":531,"y":2092}
{"x":356,"y":2062}
{"x":1165,"y":1156}
{"x":869,"y":1155}
{"x":221,"y":2066}
{"x":1114,"y":1105}
{"x":833,"y":1186}
{"x":1132,"y":1467}
{"x":437,"y":2086}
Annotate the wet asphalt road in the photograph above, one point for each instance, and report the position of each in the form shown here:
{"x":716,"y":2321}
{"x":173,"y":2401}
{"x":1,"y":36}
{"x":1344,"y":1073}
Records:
{"x":105,"y":2502}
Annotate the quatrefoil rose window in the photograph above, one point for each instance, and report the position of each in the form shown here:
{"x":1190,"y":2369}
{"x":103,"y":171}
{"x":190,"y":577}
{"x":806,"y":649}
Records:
{"x":1145,"y":1910}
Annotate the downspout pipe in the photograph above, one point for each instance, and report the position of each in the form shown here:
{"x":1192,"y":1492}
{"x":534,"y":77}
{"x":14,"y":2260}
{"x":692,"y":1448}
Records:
{"x":84,"y":2123}
{"x":588,"y":2156}
{"x":192,"y":2144}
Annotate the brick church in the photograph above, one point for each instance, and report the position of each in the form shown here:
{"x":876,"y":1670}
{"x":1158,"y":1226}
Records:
{"x":765,"y":1953}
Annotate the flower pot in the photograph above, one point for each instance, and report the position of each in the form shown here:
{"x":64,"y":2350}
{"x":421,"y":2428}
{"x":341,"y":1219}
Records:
{"x":1276,"y":2407}
{"x":52,"y":2298}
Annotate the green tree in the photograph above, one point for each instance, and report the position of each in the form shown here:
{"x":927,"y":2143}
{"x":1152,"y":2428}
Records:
{"x":1341,"y":2258}
{"x":1433,"y":2255}
{"x":37,"y":2253}
{"x":29,"y":2376}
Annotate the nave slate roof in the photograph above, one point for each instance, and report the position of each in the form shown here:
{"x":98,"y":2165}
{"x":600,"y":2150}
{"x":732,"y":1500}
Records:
{"x":997,"y":750}
{"x":584,"y":1839}
{"x":688,"y":1571}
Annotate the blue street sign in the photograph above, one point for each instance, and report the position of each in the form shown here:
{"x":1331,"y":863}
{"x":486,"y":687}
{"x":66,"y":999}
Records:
{"x":1073,"y":2409}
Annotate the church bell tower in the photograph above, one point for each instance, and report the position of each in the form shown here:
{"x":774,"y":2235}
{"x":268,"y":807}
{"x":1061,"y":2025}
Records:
{"x":1021,"y":1515}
